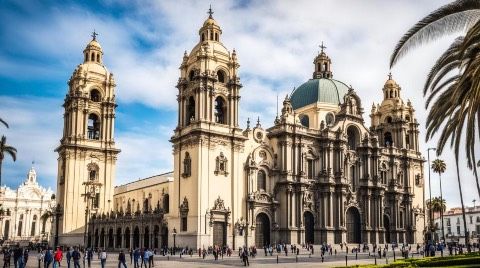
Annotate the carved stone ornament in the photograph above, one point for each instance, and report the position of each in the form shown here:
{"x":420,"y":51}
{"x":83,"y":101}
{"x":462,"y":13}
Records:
{"x":221,"y":165}
{"x":218,"y":204}
{"x":184,"y":207}
{"x":263,"y":197}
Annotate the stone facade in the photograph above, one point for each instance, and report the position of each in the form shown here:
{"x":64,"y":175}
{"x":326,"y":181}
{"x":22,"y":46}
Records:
{"x":22,"y":211}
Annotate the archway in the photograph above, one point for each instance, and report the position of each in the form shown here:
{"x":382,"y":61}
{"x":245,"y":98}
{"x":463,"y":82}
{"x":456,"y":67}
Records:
{"x":102,"y":238}
{"x":219,"y":233}
{"x":164,"y":236}
{"x":386,"y":225}
{"x":7,"y":230}
{"x":119,"y":238}
{"x":136,"y":238}
{"x":126,"y":237}
{"x":96,"y":238}
{"x":353,"y":136}
{"x":110,"y":238}
{"x":146,"y":237}
{"x":262,"y":230}
{"x":156,"y":231}
{"x":309,"y":223}
{"x":353,"y":226}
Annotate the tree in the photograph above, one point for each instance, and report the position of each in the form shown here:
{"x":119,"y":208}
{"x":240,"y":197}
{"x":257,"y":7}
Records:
{"x":437,"y":204}
{"x":6,"y":149}
{"x":453,"y":100}
{"x":439,"y":166}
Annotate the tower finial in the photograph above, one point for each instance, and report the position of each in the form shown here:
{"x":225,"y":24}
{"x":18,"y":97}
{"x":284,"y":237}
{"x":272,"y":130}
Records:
{"x":322,"y":47}
{"x":210,"y":12}
{"x":94,"y":35}
{"x":390,"y":76}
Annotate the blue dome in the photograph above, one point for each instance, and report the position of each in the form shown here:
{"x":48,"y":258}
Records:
{"x":319,"y":90}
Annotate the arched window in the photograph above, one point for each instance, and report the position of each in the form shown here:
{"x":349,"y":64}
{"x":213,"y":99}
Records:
{"x":319,"y":67}
{"x":86,"y":57}
{"x":166,"y":203}
{"x":191,"y":75}
{"x":92,"y":57}
{"x":93,"y":127}
{"x":216,"y":36}
{"x":353,"y":178}
{"x":211,"y":36}
{"x":325,"y":66}
{"x":220,"y":110}
{"x":95,"y":95}
{"x":20,"y":225}
{"x":310,"y":170}
{"x":388,"y":140}
{"x":187,"y":165}
{"x":98,"y":57}
{"x":261,"y":181}
{"x":353,"y":137}
{"x":190,"y":110}
{"x":221,"y":76}
{"x":93,"y":175}
{"x":203,"y":37}
{"x":304,"y":120}
{"x":34,"y":224}
{"x":388,"y":120}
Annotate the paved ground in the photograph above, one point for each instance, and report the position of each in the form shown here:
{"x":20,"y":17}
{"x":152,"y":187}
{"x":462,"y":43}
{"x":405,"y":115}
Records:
{"x":302,"y":260}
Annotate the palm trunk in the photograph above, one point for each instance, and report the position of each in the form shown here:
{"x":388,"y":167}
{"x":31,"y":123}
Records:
{"x":467,"y":238}
{"x":476,"y":178}
{"x":1,"y":160}
{"x":441,"y":206}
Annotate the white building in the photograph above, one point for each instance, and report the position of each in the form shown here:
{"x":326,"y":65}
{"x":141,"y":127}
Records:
{"x":453,"y":224}
{"x":22,"y":209}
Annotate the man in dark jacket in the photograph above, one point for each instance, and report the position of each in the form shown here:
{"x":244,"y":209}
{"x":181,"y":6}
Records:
{"x":48,"y":258}
{"x":76,"y":257}
{"x":121,"y":259}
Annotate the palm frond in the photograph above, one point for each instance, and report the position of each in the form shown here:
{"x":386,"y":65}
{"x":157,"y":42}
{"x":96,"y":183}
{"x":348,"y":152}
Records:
{"x":450,"y":18}
{"x":3,"y":122}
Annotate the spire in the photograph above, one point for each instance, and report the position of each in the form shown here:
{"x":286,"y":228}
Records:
{"x":322,"y":64}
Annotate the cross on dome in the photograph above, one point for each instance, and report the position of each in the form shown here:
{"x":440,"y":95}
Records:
{"x":322,"y":47}
{"x":94,"y":35}
{"x":210,"y":12}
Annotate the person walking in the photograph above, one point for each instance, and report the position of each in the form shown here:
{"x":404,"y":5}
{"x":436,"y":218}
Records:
{"x":57,"y":258}
{"x":76,"y":257}
{"x":6,"y":258}
{"x":69,"y":257}
{"x":245,"y":257}
{"x":89,"y":254}
{"x":47,"y":258}
{"x":121,"y":259}
{"x":40,"y":258}
{"x":136,"y":256}
{"x":131,"y":255}
{"x":146,"y":255}
{"x":25,"y":258}
{"x":103,"y":258}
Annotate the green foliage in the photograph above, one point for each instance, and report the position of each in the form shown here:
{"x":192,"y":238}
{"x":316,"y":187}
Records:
{"x":468,"y":260}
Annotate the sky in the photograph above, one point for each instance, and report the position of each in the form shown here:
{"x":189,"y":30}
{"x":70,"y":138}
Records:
{"x":41,"y":43}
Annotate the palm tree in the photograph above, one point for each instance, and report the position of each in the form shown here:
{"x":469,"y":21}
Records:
{"x":454,"y":100}
{"x":6,"y":149}
{"x":3,"y":122}
{"x":439,"y":166}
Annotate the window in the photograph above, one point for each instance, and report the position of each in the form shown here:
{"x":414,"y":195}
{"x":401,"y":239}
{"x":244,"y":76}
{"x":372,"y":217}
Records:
{"x":477,"y":229}
{"x":98,"y":57}
{"x":448,"y":222}
{"x":203,"y":37}
{"x":352,"y":178}
{"x":93,"y":175}
{"x":352,"y":134}
{"x":407,"y":118}
{"x":304,"y":120}
{"x":92,"y":57}
{"x":388,"y":140}
{"x":184,"y":224}
{"x":458,"y":220}
{"x":402,"y":219}
{"x":458,"y":230}
{"x":471,"y":219}
{"x":220,"y":110}
{"x":388,"y":120}
{"x":34,"y":224}
{"x":95,"y":95}
{"x":190,"y":110}
{"x":261,"y":181}
{"x":187,"y":165}
{"x":478,"y":218}
{"x":329,"y":119}
{"x":93,"y":127}
{"x":216,"y":36}
{"x":383,"y":175}
{"x":191,"y":75}
{"x":166,"y":203}
{"x":20,"y":225}
{"x":407,"y":140}
{"x":96,"y":201}
{"x":221,"y":76}
{"x":310,"y":171}
{"x":449,"y":230}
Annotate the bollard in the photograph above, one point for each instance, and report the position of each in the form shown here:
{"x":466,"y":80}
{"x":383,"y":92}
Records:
{"x":277,"y":258}
{"x":346,"y":260}
{"x":386,"y":260}
{"x":441,"y":252}
{"x":296,"y":258}
{"x":375,"y":259}
{"x":356,"y":255}
{"x":322,"y":259}
{"x":394,"y":255}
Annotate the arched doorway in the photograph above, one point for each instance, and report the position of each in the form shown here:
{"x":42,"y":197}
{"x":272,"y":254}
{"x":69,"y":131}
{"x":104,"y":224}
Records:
{"x":7,"y":230}
{"x":136,"y":238}
{"x":156,"y":231}
{"x":110,"y":238}
{"x":262,"y":230}
{"x":353,"y":226}
{"x":164,"y":236}
{"x":309,"y":223}
{"x":126,"y":237}
{"x":96,"y":238}
{"x":119,"y":238}
{"x":146,"y":236}
{"x":219,"y":233}
{"x":386,"y":225}
{"x":102,"y":238}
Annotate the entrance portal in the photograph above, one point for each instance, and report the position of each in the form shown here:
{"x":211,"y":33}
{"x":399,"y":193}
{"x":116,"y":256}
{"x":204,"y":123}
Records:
{"x":219,"y":234}
{"x":353,"y":226}
{"x":262,"y":230}
{"x":309,"y":223}
{"x":386,"y":225}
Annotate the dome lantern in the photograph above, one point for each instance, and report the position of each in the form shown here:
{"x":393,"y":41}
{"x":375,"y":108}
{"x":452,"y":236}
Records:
{"x":322,"y":65}
{"x":93,"y":52}
{"x":210,"y":30}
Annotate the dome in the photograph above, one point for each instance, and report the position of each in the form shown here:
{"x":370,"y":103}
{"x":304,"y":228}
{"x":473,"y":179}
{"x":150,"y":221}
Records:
{"x":210,"y":21}
{"x":94,"y":44}
{"x":323,"y":90}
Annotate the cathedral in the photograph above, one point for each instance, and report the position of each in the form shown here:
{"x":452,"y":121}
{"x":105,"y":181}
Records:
{"x":317,"y":175}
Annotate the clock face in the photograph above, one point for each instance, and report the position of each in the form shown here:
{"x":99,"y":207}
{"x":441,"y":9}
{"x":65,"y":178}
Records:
{"x":329,"y":119}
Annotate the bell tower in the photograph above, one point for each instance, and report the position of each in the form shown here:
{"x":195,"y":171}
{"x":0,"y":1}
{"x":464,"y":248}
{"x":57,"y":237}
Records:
{"x":207,"y":141}
{"x":87,"y":149}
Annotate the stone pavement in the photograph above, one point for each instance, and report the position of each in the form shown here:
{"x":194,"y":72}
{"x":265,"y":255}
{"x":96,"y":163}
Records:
{"x":302,"y":260}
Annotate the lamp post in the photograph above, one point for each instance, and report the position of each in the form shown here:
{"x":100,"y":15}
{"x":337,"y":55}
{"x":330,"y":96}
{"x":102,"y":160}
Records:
{"x":430,"y":215}
{"x":174,"y":242}
{"x":58,"y":211}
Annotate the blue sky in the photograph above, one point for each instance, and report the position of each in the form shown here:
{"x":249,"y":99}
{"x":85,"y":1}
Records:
{"x":41,"y":43}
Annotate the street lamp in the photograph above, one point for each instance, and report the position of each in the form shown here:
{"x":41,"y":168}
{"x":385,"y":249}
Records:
{"x":174,"y":242}
{"x":430,"y":215}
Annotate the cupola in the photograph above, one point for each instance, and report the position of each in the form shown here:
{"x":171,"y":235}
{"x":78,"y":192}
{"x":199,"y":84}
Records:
{"x":391,"y":90}
{"x":322,"y":65}
{"x":210,"y":30}
{"x":93,"y":52}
